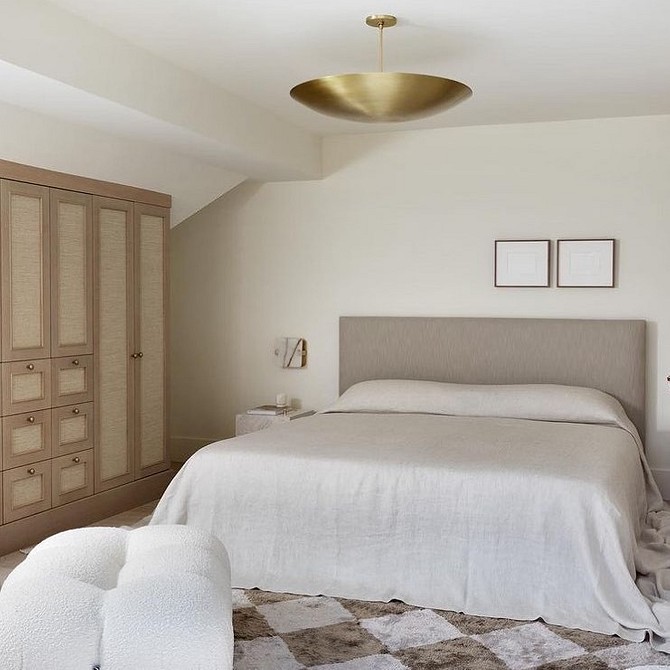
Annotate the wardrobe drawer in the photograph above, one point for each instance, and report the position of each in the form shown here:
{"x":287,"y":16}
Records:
{"x":71,"y":380}
{"x":72,"y":428}
{"x":26,"y":386}
{"x":26,"y":438}
{"x":72,"y":477}
{"x":26,"y":491}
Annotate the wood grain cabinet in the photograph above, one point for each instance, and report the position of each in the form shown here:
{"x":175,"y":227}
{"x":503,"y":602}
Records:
{"x":151,"y":229}
{"x":71,"y":224}
{"x":114,"y":342}
{"x":71,"y":428}
{"x":26,"y":438}
{"x":71,"y":380}
{"x":26,"y":491}
{"x":26,"y":318}
{"x":130,"y":349}
{"x":83,"y":297}
{"x":71,"y":477}
{"x":26,"y":386}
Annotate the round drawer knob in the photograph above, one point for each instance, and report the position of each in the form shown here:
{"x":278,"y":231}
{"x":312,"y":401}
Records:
{"x":31,"y":419}
{"x":30,"y":366}
{"x":75,"y":410}
{"x":76,"y":459}
{"x":75,"y":361}
{"x":31,"y":471}
{"x":140,"y":355}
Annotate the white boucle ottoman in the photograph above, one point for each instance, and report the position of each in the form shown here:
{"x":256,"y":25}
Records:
{"x":153,"y":598}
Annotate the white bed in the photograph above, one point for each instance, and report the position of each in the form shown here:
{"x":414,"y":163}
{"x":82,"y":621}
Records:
{"x":516,"y":501}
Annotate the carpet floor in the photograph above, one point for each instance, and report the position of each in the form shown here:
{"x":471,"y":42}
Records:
{"x":289,"y":632}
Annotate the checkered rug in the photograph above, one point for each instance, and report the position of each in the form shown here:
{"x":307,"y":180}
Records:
{"x":278,"y":631}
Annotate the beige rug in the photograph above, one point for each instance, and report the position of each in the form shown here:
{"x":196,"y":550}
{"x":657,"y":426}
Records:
{"x":289,"y":632}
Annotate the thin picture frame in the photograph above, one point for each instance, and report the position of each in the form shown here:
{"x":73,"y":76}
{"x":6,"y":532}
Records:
{"x":522,"y":264}
{"x":586,"y":263}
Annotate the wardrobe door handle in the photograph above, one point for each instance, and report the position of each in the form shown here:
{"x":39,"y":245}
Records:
{"x":31,"y":471}
{"x":75,"y":410}
{"x":31,"y":419}
{"x":75,"y":361}
{"x":140,"y":355}
{"x":30,"y":366}
{"x":76,"y":459}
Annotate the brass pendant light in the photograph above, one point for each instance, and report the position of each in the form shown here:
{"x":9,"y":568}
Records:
{"x":380,"y":97}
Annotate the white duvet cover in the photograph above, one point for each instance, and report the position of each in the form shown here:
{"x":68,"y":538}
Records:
{"x":501,"y":516}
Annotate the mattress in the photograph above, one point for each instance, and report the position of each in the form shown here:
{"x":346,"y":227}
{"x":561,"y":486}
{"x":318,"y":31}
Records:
{"x":487,"y":508}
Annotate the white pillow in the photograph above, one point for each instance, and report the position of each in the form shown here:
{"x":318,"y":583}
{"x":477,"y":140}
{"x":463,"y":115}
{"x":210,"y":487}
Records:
{"x":543,"y":402}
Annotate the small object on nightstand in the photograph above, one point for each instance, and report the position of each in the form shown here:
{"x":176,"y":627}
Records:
{"x":251,"y":422}
{"x":269,"y":410}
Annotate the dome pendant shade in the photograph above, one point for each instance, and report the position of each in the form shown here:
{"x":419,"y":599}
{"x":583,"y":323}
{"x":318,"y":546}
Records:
{"x":380,"y":97}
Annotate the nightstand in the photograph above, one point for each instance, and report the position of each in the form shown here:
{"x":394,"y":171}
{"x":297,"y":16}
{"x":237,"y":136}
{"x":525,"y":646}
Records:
{"x":249,"y":423}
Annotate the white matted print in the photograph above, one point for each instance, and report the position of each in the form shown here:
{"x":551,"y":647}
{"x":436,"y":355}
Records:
{"x":585,"y":263}
{"x":522,"y":263}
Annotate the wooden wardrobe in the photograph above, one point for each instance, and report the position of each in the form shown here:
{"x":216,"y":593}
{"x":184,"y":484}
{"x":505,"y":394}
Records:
{"x":83,"y":344}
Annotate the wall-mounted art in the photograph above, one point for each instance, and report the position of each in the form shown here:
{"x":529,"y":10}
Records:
{"x":521,"y":263}
{"x":585,"y":263}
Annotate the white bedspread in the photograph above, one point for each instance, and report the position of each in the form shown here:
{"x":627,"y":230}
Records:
{"x":502,"y":517}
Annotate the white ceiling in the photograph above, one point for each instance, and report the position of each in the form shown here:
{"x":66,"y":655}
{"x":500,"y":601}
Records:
{"x":197,"y":91}
{"x":526,"y":60}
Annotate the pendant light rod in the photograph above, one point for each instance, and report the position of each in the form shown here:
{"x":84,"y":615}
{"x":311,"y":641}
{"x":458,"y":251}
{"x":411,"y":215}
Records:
{"x":381,"y":21}
{"x":381,"y":46}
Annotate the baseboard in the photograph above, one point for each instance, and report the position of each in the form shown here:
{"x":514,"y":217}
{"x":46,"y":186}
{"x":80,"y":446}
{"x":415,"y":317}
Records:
{"x":182,"y":448}
{"x":662,"y":477}
{"x":35,"y":528}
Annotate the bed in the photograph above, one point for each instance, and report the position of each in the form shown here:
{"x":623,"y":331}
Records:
{"x":490,"y":466}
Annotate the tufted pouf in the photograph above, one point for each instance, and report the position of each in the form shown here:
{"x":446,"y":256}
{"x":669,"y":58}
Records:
{"x":155,"y":598}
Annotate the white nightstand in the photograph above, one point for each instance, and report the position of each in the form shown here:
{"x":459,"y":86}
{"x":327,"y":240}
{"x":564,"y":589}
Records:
{"x":249,"y":423}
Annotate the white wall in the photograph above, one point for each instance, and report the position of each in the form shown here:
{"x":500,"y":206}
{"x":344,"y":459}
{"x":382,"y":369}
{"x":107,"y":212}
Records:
{"x":41,"y":141}
{"x":404,"y":224}
{"x":79,"y":64}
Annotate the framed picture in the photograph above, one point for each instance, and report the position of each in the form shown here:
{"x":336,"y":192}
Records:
{"x":585,"y":263}
{"x":521,"y":263}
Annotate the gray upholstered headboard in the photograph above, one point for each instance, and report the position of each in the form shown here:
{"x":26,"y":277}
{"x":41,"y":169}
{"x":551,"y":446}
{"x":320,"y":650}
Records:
{"x":605,"y":354}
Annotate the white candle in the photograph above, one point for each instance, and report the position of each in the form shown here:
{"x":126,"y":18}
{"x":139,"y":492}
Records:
{"x":280,"y":400}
